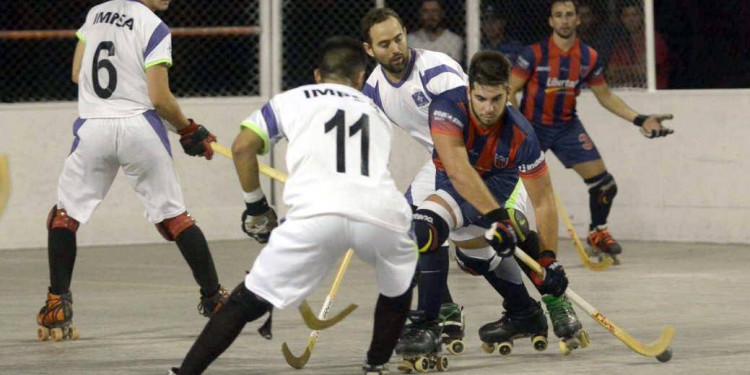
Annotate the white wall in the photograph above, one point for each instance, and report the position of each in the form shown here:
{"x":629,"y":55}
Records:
{"x":686,"y":187}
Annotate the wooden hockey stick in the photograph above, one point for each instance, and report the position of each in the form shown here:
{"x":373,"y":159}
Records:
{"x":291,"y":359}
{"x":600,"y":266}
{"x":4,"y":182}
{"x":659,"y":348}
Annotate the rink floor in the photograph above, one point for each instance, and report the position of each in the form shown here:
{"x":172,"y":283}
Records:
{"x":135,"y":307}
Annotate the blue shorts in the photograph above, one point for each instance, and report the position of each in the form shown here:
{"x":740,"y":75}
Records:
{"x":568,"y":141}
{"x":505,"y":187}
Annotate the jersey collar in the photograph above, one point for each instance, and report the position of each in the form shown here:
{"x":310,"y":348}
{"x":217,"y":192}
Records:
{"x":409,"y":68}
{"x":555,"y":51}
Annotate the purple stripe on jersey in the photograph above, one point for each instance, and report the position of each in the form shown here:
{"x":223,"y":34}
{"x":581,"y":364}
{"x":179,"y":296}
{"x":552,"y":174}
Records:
{"x":159,"y":34}
{"x":409,"y":68}
{"x":159,"y":128}
{"x":557,"y":111}
{"x":431,"y":73}
{"x":374,"y":94}
{"x":270,"y":117}
{"x":76,"y":126}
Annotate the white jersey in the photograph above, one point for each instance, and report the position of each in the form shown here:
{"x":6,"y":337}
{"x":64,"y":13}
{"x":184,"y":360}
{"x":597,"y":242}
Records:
{"x":123,"y":38}
{"x":337,"y":157}
{"x":407,"y":102}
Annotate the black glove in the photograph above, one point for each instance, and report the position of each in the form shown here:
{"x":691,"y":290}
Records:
{"x":554,"y":280}
{"x":662,"y":131}
{"x":502,"y":238}
{"x":196,"y":139}
{"x":258,"y":220}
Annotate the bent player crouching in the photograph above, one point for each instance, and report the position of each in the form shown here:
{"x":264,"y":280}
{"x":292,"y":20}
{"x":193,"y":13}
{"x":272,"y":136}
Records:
{"x":340,"y":196}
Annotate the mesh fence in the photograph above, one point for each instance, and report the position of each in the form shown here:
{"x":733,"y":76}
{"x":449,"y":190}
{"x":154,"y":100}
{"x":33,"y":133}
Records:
{"x":615,"y":29}
{"x":219,"y":60}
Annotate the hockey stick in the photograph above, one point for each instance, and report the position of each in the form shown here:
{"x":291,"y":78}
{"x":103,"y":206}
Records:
{"x":659,"y":348}
{"x":601,"y":266}
{"x":4,"y":182}
{"x":300,"y":362}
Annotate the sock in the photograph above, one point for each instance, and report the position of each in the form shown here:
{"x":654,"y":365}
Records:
{"x":194,"y":249}
{"x":433,"y":268}
{"x":61,"y":253}
{"x":390,"y":316}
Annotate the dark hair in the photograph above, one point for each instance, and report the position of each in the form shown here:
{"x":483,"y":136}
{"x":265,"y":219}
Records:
{"x":342,"y":56}
{"x":489,"y":68}
{"x":553,"y":2}
{"x":376,"y":16}
{"x":628,"y":4}
{"x":442,"y":6}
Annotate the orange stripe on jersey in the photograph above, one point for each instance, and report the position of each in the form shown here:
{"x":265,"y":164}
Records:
{"x":532,"y":87}
{"x":550,"y":94}
{"x":593,"y":60}
{"x":574,"y":73}
{"x":447,"y":128}
{"x":538,"y":172}
{"x":515,"y":144}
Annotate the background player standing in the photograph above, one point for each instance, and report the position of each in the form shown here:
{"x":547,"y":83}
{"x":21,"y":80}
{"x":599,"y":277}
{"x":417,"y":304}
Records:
{"x":550,"y":74}
{"x":341,"y":195}
{"x":120,"y":65}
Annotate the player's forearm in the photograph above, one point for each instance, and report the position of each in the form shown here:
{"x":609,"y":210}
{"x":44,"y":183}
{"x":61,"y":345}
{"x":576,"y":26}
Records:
{"x":616,"y":105}
{"x":470,"y":185}
{"x":168,"y":109}
{"x":246,"y":164}
{"x":545,"y":213}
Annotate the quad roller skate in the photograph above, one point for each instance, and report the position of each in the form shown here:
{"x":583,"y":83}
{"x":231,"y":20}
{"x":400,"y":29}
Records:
{"x":211,"y":305}
{"x":420,"y":345}
{"x":601,"y":244}
{"x":565,"y":324}
{"x":55,"y":318}
{"x":453,"y":324}
{"x":499,"y":335}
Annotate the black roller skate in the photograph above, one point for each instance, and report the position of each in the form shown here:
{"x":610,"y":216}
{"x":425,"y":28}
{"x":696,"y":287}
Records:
{"x":499,"y":335}
{"x":211,"y":305}
{"x":601,"y":244}
{"x":55,"y":318}
{"x":419,"y":345}
{"x":565,"y":323}
{"x":174,"y":371}
{"x":369,"y":369}
{"x":453,"y":323}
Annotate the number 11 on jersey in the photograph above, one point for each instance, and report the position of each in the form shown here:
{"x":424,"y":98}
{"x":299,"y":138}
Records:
{"x":362,"y":125}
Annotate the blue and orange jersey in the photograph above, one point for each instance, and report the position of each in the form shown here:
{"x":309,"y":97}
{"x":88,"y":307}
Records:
{"x":554,"y":79}
{"x":508,"y":146}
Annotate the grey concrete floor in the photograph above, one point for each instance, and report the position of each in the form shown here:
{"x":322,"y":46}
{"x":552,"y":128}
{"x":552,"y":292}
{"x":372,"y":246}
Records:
{"x":135,"y":307}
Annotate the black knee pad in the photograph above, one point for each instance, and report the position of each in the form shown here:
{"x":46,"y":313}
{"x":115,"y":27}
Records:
{"x":430,"y":229}
{"x":604,"y":190}
{"x":473,"y":265}
{"x":253,"y":306}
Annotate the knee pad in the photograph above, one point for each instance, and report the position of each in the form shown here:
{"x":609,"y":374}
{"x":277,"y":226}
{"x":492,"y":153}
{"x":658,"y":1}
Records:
{"x":430,"y":230}
{"x":604,"y":189}
{"x":253,"y":306}
{"x":59,"y":219}
{"x":171,"y":228}
{"x":483,"y":262}
{"x":520,"y":223}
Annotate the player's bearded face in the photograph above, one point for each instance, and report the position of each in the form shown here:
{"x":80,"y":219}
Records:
{"x":389,"y":46}
{"x":564,"y":19}
{"x":488,"y":102}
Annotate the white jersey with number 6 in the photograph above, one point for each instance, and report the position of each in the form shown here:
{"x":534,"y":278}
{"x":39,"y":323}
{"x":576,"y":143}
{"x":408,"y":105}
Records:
{"x":123,"y":38}
{"x":339,"y":146}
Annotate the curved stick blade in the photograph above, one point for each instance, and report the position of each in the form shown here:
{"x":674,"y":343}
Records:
{"x":292,"y":360}
{"x":316,"y":324}
{"x":649,"y":350}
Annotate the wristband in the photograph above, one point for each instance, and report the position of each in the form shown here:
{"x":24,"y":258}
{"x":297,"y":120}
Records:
{"x":639,"y":120}
{"x":257,"y":208}
{"x":253,"y":196}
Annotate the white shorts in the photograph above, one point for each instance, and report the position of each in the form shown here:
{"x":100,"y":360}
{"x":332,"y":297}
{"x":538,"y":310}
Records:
{"x":139,"y":145}
{"x":423,"y":185}
{"x":300,"y":253}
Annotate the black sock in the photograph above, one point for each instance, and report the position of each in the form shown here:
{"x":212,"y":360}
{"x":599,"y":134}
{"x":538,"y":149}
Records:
{"x":61,"y":252}
{"x":447,"y":298}
{"x":433,"y":269}
{"x":194,"y":249}
{"x":223,"y":328}
{"x":390,"y":316}
{"x":515,"y":296}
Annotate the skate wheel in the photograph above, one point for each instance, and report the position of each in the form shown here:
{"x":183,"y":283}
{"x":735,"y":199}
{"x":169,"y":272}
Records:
{"x":42,"y":333}
{"x":56,"y":334}
{"x":564,"y":348}
{"x":422,"y":364}
{"x":665,"y":356}
{"x":615,"y":260}
{"x":505,"y":348}
{"x":442,"y":364}
{"x":73,"y":333}
{"x":540,"y":343}
{"x":405,"y":366}
{"x":456,"y":347}
{"x":583,"y":337}
{"x":488,"y":348}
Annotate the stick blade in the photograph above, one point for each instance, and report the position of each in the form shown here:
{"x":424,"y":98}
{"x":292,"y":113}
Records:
{"x":316,"y":324}
{"x":292,"y":360}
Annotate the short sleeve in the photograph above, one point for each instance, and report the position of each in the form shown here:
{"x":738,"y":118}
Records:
{"x":445,"y":117}
{"x":525,"y":63}
{"x":264,"y":122}
{"x":81,"y":32}
{"x":596,"y":76}
{"x":530,"y":158}
{"x":159,"y":47}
